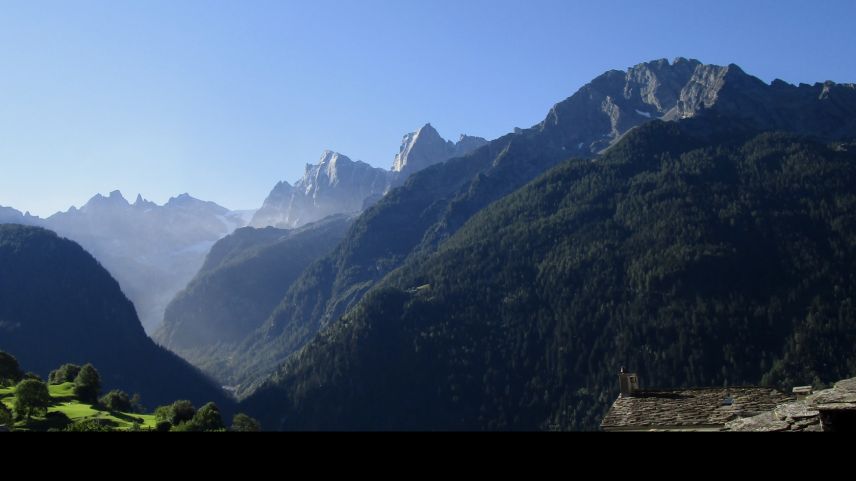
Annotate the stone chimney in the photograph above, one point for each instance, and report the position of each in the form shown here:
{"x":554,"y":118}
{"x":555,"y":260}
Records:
{"x":802,"y":392}
{"x":628,"y":382}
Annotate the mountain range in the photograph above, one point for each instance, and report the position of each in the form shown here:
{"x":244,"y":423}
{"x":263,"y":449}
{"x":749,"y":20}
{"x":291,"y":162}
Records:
{"x":339,"y":185}
{"x":152,"y":250}
{"x":688,"y":220}
{"x":155,"y":251}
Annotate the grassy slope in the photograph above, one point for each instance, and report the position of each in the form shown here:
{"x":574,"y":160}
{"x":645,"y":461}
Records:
{"x":65,"y":403}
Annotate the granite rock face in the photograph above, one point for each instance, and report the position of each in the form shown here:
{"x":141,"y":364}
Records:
{"x":425,"y":148}
{"x":617,"y":101}
{"x":335,"y":185}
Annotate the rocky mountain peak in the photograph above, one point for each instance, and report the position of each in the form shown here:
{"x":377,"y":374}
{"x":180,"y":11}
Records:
{"x":334,"y":185}
{"x":326,"y":172}
{"x":187,"y":203}
{"x":467,"y":144}
{"x":329,"y":158}
{"x":428,"y":132}
{"x":426,"y":147}
{"x":615,"y":102}
{"x":140,"y":202}
{"x":114,"y":200}
{"x":180,"y":200}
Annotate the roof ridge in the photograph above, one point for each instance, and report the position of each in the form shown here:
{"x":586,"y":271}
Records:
{"x":708,"y":388}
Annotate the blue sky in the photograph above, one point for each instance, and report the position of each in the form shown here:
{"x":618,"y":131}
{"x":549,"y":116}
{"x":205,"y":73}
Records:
{"x":222,"y":99}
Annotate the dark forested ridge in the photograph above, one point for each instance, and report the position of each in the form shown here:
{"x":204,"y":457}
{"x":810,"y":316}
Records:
{"x":58,"y":305}
{"x":692,"y":259}
{"x":244,"y":277}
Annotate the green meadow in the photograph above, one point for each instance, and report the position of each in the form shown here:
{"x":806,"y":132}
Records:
{"x":65,"y":409}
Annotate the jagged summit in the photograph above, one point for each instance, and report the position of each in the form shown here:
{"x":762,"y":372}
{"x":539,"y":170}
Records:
{"x":113,"y":200}
{"x":181,"y":200}
{"x":334,"y":185}
{"x":143,"y":203}
{"x":426,"y":147}
{"x":330,"y":170}
{"x":330,"y":156}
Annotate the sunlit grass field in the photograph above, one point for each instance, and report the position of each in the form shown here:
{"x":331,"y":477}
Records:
{"x":64,"y":403}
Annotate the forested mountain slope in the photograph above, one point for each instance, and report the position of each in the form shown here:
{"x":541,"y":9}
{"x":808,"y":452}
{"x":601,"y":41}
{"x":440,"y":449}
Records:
{"x":690,"y":252}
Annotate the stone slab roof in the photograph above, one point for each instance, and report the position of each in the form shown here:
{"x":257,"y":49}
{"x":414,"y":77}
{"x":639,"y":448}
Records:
{"x":801,"y":415}
{"x":689,"y":408}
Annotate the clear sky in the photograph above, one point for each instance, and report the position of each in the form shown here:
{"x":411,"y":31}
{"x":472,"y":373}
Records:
{"x":222,"y":99}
